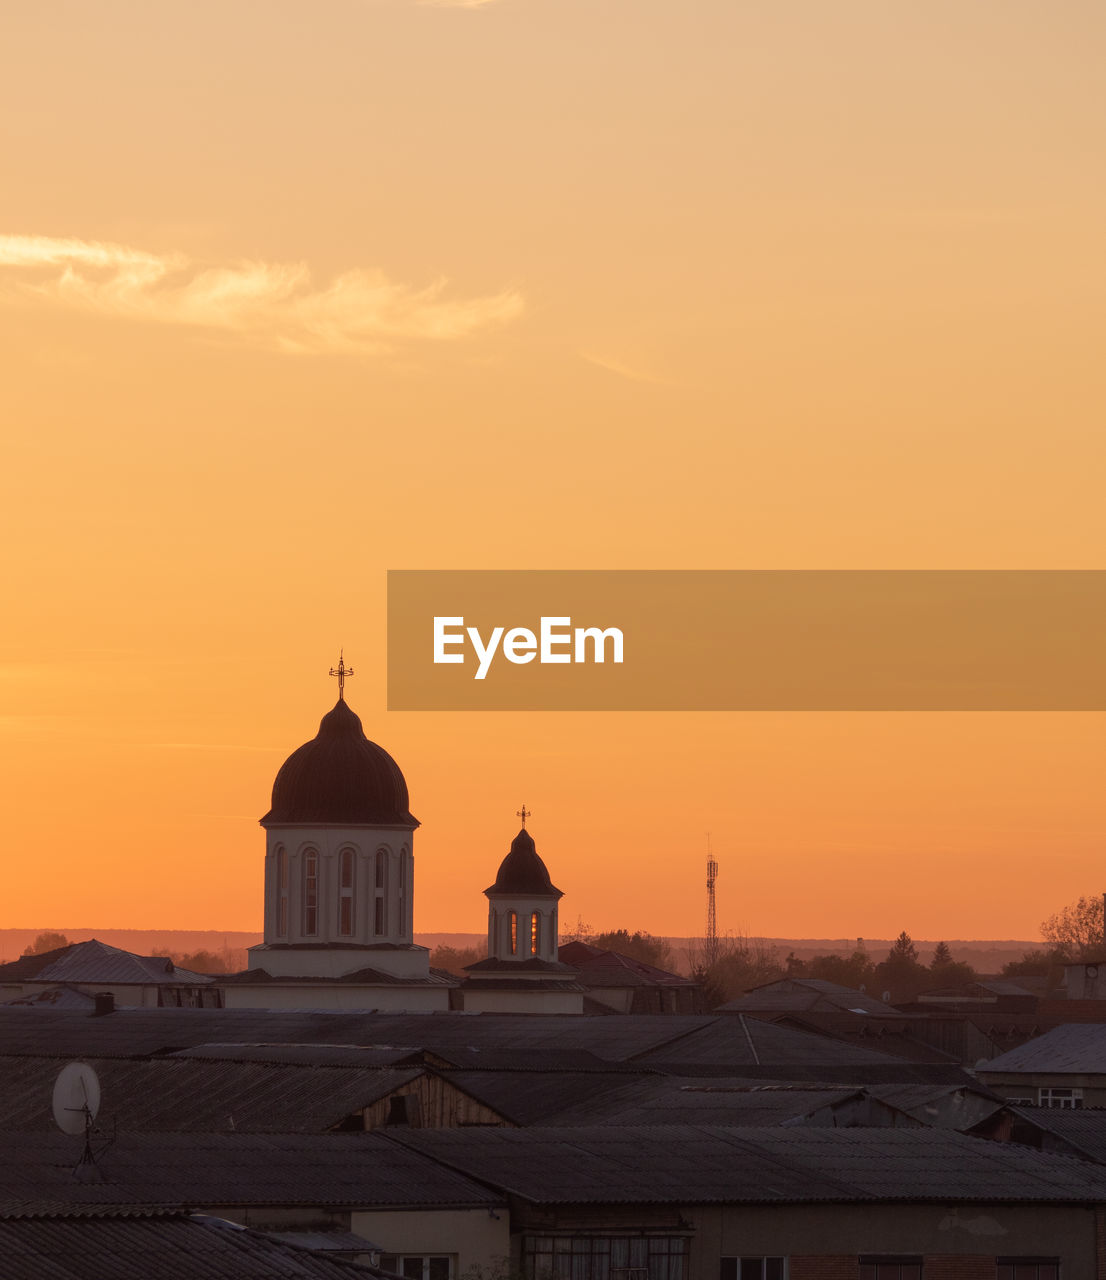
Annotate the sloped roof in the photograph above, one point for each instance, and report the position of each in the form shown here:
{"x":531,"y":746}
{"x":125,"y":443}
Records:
{"x":599,"y":968}
{"x":135,"y":1032}
{"x":958,"y":1107}
{"x":182,"y":1095}
{"x":739,"y":1041}
{"x":206,"y":1170}
{"x":62,"y":996}
{"x":675,"y":1100}
{"x":171,"y":1246}
{"x":94,"y":961}
{"x":690,"y":1164}
{"x":806,"y":994}
{"x":1075,"y":1048}
{"x":1083,"y":1128}
{"x":695,"y":1044}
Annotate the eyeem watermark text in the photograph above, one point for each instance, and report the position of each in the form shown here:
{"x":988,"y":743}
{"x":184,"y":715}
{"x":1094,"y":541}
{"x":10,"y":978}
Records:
{"x":557,"y":641}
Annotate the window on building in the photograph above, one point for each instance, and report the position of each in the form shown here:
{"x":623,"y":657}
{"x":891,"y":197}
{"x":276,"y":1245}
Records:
{"x":401,"y":924}
{"x":1027,"y":1268}
{"x":417,"y":1266}
{"x":380,"y":908}
{"x":512,"y":925}
{"x":282,"y":892}
{"x":752,"y":1269}
{"x":1067,"y":1098}
{"x":535,"y":933}
{"x":604,"y":1257}
{"x":310,"y":893}
{"x":346,"y":870}
{"x":890,"y":1267}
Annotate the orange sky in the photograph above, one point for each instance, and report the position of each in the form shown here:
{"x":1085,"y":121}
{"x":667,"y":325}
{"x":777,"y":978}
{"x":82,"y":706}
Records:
{"x":294,"y":294}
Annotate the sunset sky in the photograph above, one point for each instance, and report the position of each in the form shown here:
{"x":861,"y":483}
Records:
{"x":293,"y":294}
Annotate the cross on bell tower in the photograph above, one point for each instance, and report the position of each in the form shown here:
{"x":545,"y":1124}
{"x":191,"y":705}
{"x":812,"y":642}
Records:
{"x":341,"y":671}
{"x":523,"y":813}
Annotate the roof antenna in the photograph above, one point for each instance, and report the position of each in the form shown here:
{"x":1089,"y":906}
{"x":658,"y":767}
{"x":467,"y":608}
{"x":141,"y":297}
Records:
{"x":76,"y":1101}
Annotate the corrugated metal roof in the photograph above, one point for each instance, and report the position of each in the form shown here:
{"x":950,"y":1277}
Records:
{"x":219,"y":1171}
{"x":804,"y":994}
{"x":1081,"y":1127}
{"x":178,"y":1247}
{"x":599,"y":968}
{"x":669,"y":1100}
{"x":688,"y":1044}
{"x":739,"y":1041}
{"x":132,"y":1032}
{"x":95,"y":961}
{"x":188,"y":1096}
{"x":1076,"y":1048}
{"x":699,"y":1164}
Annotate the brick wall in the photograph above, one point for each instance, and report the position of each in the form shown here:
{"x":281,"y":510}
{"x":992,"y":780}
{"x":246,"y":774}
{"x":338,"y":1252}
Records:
{"x":822,"y":1267}
{"x":939,"y":1266}
{"x":947,"y":1266}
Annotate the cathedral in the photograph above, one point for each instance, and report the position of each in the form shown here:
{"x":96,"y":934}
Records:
{"x":339,"y":897}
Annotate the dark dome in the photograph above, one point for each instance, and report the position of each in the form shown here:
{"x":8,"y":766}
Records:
{"x":341,"y":777}
{"x":523,"y":872}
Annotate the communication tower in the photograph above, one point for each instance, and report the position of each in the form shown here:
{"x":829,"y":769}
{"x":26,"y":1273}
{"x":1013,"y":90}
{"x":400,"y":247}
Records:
{"x":712,"y":917}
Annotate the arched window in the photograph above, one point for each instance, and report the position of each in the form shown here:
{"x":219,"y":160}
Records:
{"x":380,"y":916}
{"x":346,"y":867}
{"x":512,"y":925}
{"x":535,"y":933}
{"x":282,"y":892}
{"x":310,"y":893}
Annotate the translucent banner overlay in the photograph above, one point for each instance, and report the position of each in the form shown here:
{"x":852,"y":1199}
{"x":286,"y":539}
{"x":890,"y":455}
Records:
{"x":747,"y":640}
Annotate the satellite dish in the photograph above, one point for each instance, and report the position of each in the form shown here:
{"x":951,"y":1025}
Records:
{"x":76,"y":1098}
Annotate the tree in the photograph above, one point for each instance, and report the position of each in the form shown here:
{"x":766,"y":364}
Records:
{"x":46,"y":942}
{"x":454,"y":959}
{"x":201,"y":962}
{"x":739,"y":965}
{"x":1076,"y":930}
{"x":947,"y":972}
{"x":854,"y":971}
{"x":1033,"y":964}
{"x":901,"y":973}
{"x":639,"y":945}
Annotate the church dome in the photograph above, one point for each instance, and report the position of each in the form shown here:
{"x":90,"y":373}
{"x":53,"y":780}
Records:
{"x":522,"y":873}
{"x":340,"y":777}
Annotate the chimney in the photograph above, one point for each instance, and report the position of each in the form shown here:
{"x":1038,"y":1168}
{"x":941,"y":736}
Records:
{"x":105,"y":1003}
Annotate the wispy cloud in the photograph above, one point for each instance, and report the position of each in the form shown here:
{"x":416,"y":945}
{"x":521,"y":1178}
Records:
{"x":275,"y":303}
{"x":458,"y":4}
{"x":623,"y":370}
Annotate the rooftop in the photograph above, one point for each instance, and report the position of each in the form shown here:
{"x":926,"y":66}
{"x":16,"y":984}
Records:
{"x":690,"y":1164}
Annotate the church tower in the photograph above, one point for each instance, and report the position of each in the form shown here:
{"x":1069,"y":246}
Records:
{"x":522,"y":973}
{"x":522,"y":905}
{"x":339,"y":864}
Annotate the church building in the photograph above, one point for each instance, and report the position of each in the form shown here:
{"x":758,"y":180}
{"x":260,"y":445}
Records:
{"x":339,"y":897}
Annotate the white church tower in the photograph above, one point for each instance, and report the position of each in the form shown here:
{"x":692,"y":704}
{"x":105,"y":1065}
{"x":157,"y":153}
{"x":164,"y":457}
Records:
{"x":339,"y":864}
{"x":522,"y":973}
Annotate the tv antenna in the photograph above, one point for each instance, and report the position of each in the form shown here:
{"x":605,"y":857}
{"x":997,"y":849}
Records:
{"x":76,"y":1101}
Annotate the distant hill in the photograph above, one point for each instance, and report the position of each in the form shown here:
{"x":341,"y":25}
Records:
{"x":986,"y":956}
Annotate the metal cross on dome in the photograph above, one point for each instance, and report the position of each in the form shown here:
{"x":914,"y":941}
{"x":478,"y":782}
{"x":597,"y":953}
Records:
{"x":523,"y":813}
{"x":341,"y":671}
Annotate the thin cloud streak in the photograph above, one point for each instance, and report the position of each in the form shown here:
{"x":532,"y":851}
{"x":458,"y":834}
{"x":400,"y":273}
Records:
{"x":277,"y":304}
{"x":624,"y":371}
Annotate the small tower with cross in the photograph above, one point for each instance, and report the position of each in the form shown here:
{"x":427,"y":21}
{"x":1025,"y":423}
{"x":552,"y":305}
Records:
{"x":522,"y":905}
